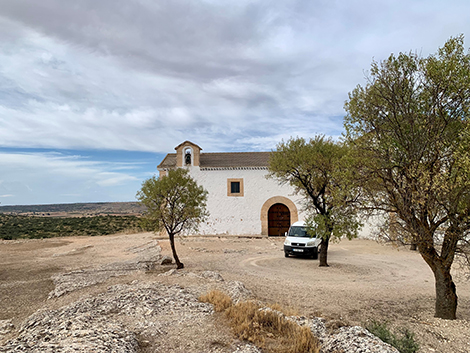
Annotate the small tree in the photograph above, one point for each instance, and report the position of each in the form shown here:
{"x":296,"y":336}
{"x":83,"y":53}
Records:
{"x":318,"y":170}
{"x":175,"y":203}
{"x":410,"y":128}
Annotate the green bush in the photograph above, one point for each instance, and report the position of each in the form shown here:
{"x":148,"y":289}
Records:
{"x":405,"y":343}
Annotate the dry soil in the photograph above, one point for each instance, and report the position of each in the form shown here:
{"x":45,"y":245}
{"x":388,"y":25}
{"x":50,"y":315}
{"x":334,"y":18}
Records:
{"x":365,"y":281}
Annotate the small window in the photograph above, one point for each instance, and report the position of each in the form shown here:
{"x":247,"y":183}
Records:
{"x":234,"y":187}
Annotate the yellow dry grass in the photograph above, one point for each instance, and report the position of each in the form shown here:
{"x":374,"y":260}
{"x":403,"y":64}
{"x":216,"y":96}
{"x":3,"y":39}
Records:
{"x":221,"y":301}
{"x":265,"y":328}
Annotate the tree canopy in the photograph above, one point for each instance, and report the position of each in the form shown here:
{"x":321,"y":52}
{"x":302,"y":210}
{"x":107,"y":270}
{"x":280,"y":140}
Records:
{"x":409,"y":126}
{"x":318,"y":171}
{"x":175,"y":203}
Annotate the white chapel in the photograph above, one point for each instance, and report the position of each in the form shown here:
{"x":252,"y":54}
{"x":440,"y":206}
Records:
{"x":241,"y":200}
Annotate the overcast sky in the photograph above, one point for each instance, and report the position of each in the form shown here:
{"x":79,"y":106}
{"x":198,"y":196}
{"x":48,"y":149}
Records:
{"x":94,"y":93}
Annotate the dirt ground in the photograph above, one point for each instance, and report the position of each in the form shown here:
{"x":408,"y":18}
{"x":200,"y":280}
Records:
{"x":365,"y":280}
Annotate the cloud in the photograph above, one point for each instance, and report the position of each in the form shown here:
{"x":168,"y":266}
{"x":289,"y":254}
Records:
{"x":144,"y":76}
{"x":39,"y":177}
{"x":141,"y":75}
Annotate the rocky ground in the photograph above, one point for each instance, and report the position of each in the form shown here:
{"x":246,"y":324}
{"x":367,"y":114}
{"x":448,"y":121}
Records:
{"x":111,"y":294}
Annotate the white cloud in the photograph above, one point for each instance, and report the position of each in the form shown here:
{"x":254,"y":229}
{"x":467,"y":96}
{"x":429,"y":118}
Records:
{"x":37,"y":177}
{"x":135,"y":75}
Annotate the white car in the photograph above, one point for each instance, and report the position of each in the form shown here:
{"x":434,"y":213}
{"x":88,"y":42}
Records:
{"x":299,"y":242}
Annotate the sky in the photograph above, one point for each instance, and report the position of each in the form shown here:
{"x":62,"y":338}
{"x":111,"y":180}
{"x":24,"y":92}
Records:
{"x":93,"y":94}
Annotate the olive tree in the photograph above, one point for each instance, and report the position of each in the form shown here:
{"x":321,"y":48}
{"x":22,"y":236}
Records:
{"x":175,"y":203}
{"x":318,"y":170}
{"x":409,"y":126}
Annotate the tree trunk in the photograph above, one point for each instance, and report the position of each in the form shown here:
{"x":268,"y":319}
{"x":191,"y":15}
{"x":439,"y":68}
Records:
{"x":324,"y":252}
{"x":446,"y":296}
{"x":179,"y":264}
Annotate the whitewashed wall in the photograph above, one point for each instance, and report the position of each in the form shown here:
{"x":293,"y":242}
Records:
{"x":239,"y":215}
{"x":371,"y":226}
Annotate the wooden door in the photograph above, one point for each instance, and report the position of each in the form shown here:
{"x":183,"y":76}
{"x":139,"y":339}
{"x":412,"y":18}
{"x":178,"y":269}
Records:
{"x":278,"y":220}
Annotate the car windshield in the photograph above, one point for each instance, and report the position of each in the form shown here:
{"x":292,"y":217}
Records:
{"x":299,"y":232}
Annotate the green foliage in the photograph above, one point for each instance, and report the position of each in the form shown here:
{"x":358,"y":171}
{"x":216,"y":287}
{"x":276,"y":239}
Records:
{"x":27,"y":227}
{"x":336,"y":225}
{"x":409,"y":131}
{"x":408,"y":124}
{"x":405,"y":343}
{"x":175,"y":203}
{"x":318,"y":170}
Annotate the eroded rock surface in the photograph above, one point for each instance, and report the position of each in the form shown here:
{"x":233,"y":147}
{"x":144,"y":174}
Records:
{"x":355,"y":339}
{"x":153,"y":317}
{"x":349,"y":339}
{"x":127,"y":318}
{"x":146,"y":257}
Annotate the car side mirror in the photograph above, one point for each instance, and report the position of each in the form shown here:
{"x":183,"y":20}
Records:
{"x":285,"y":234}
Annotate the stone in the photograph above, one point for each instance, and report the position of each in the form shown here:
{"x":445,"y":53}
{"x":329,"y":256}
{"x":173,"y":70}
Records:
{"x":214,"y":276}
{"x":6,"y":327}
{"x":355,"y":339}
{"x":166,"y":260}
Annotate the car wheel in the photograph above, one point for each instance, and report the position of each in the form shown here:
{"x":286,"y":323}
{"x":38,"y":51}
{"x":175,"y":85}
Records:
{"x":286,"y":254}
{"x":315,"y":254}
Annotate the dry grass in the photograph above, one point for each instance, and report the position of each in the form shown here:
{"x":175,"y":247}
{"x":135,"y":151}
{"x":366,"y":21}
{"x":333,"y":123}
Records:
{"x":221,"y":301}
{"x":267,"y":328}
{"x":288,"y":311}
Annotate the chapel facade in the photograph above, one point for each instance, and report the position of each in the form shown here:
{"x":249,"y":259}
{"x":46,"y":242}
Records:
{"x":241,"y":200}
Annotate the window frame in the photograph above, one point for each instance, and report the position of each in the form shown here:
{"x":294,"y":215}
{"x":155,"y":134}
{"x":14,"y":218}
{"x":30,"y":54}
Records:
{"x":229,"y":187}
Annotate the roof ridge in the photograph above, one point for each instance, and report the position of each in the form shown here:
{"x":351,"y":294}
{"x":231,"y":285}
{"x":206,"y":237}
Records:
{"x":237,"y":152}
{"x":224,"y":159}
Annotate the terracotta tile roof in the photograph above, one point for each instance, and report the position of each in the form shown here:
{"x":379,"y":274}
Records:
{"x":234,"y":159}
{"x":223,"y":160}
{"x":169,"y":161}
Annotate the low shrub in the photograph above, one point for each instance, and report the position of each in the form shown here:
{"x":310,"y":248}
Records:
{"x":405,"y":343}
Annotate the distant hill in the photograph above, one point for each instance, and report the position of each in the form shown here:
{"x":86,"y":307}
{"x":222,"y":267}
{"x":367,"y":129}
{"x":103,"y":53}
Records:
{"x":76,"y":209}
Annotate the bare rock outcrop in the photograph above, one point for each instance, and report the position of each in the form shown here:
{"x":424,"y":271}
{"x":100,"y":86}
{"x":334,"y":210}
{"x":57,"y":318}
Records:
{"x":154,"y":317}
{"x":147,"y":256}
{"x":124,"y":319}
{"x":235,"y":289}
{"x":355,"y":339}
{"x":347,"y":339}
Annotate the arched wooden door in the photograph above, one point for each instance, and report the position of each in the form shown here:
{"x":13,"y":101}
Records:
{"x":278,"y":219}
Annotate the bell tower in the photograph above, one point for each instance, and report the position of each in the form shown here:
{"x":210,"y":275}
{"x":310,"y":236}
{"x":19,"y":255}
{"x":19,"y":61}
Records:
{"x":187,"y":154}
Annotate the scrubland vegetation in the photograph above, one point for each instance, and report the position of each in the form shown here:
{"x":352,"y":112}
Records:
{"x":404,"y":342}
{"x":27,"y":227}
{"x":76,"y":209}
